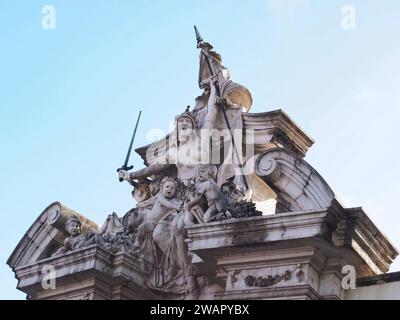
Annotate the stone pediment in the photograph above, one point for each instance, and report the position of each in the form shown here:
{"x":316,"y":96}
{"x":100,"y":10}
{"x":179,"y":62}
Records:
{"x":45,"y":235}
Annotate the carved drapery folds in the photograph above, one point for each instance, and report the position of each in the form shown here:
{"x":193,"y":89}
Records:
{"x":298,"y":186}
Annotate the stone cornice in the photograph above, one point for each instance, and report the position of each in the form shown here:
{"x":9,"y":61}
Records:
{"x":285,"y":130}
{"x":360,"y":233}
{"x":322,"y":228}
{"x":92,"y":261}
{"x":303,"y":292}
{"x":276,"y":227}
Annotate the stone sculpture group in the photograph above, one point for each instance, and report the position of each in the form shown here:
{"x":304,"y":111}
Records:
{"x":181,"y":187}
{"x":226,"y":208}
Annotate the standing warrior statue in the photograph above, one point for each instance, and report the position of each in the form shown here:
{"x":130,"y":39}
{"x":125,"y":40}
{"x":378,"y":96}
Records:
{"x":184,"y":156}
{"x":220,"y":107}
{"x":231,"y":93}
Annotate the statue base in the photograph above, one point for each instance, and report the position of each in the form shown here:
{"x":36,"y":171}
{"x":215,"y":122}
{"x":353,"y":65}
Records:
{"x":297,"y":255}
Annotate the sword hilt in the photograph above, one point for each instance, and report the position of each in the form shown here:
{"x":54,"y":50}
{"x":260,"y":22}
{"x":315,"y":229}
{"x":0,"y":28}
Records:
{"x":125,"y":168}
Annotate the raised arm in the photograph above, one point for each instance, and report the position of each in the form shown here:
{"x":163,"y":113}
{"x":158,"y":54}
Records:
{"x":170,"y":204}
{"x":145,"y":172}
{"x":196,"y":199}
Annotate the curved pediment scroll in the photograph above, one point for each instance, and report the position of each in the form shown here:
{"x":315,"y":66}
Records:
{"x":298,"y":185}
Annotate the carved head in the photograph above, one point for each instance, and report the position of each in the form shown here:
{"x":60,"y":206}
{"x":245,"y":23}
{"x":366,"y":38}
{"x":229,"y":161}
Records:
{"x":206,"y":172}
{"x":185,"y":125}
{"x":232,"y":191}
{"x":204,"y":45}
{"x":185,"y":121}
{"x":73,"y":225}
{"x":169,"y":187}
{"x":154,"y":187}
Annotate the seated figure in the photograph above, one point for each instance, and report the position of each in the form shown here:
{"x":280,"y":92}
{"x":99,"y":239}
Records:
{"x":76,"y":238}
{"x":164,"y":205}
{"x":207,"y":188}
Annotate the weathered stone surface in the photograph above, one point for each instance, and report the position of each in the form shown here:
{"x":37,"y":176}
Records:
{"x":283,"y":256}
{"x":265,"y":254}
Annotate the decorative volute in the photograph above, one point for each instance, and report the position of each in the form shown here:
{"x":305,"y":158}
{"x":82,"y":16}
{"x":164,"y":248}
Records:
{"x":298,"y":185}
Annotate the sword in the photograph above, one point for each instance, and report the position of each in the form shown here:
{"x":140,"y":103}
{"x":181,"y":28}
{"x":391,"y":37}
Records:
{"x":198,"y":36}
{"x":235,"y":152}
{"x":128,"y":154}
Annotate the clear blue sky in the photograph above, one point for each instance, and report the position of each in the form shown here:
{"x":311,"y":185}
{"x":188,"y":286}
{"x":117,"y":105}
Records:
{"x":69,"y":97}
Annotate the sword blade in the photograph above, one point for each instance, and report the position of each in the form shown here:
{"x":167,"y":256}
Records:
{"x":132,"y":139}
{"x":198,"y":36}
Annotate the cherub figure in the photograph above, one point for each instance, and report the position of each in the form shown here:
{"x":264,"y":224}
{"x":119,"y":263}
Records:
{"x":165,"y":204}
{"x":76,"y":239}
{"x":73,"y":226}
{"x":207,"y":188}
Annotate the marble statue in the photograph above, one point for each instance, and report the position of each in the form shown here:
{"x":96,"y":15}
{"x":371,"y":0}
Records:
{"x":164,"y":205}
{"x":189,"y":187}
{"x":112,"y":225}
{"x":219,"y":109}
{"x":208,"y":189}
{"x":76,"y":238}
{"x":182,"y":185}
{"x":184,"y":153}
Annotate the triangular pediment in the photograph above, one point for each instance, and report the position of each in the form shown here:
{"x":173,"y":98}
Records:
{"x":45,"y":235}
